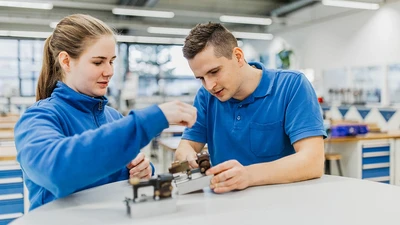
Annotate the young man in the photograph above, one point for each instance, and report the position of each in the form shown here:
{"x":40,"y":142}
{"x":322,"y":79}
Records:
{"x":262,"y":126}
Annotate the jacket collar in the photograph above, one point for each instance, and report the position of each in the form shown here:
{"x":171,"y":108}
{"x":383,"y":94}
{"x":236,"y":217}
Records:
{"x":77,"y":100}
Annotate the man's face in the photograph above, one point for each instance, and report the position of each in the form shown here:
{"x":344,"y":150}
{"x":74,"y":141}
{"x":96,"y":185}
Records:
{"x":219,"y":75}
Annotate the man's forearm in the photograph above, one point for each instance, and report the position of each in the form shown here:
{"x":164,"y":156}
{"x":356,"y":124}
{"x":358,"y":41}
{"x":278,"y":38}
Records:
{"x":182,"y":153}
{"x":296,"y":167}
{"x":186,"y":148}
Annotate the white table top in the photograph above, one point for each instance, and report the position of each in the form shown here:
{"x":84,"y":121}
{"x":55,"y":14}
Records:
{"x":330,"y":200}
{"x":174,"y":129}
{"x":171,"y":143}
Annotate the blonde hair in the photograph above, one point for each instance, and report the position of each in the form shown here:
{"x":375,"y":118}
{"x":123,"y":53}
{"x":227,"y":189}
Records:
{"x":73,"y":34}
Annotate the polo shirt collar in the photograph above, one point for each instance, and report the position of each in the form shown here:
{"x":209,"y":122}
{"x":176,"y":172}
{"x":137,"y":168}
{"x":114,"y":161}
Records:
{"x":266,"y":84}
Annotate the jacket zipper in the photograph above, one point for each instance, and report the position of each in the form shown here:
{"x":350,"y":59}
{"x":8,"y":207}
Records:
{"x":100,"y":107}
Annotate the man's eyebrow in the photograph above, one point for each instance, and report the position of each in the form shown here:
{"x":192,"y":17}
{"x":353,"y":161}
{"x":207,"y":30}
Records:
{"x":213,"y":69}
{"x":103,"y":57}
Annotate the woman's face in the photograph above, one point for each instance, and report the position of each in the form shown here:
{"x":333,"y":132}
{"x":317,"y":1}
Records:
{"x":91,"y":72}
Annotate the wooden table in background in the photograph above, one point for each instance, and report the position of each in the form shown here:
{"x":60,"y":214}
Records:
{"x":6,"y":135}
{"x":368,"y":136}
{"x":8,"y":153}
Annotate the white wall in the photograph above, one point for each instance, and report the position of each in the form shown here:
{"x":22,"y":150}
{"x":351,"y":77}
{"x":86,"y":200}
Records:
{"x":349,"y":39}
{"x":360,"y":39}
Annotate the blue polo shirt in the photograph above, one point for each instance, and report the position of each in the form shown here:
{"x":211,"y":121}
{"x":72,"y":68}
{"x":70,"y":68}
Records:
{"x":263,"y":127}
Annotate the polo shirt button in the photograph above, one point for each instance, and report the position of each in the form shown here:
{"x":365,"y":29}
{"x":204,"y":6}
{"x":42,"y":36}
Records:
{"x":240,"y":106}
{"x":238,"y":117}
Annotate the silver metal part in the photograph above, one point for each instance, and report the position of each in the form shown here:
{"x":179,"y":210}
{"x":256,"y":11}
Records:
{"x":197,"y":182}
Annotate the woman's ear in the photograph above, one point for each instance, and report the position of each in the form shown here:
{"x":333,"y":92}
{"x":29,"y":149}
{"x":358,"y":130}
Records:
{"x":239,"y":56}
{"x":65,"y":60}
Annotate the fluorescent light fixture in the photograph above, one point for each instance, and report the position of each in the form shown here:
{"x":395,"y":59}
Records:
{"x":140,"y":12}
{"x":26,"y":34}
{"x":351,"y":4}
{"x":256,"y":36}
{"x":183,"y":31}
{"x":245,"y":20}
{"x":150,"y":40}
{"x":166,"y":30}
{"x":28,"y":5}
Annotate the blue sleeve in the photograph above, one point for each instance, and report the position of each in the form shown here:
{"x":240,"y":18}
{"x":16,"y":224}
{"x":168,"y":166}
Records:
{"x":198,"y":132}
{"x":123,"y":174}
{"x":63,"y":164}
{"x":303,"y":115}
{"x":153,"y":169}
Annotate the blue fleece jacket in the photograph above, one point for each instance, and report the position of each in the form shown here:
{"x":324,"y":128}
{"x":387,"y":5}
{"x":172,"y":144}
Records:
{"x":70,"y":142}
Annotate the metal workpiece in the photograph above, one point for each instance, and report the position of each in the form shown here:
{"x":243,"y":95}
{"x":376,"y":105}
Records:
{"x":196,"y":182}
{"x":189,"y":180}
{"x":151,"y":197}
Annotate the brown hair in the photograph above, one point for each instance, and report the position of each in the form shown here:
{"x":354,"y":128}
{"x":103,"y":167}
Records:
{"x":203,"y":35}
{"x":73,"y":34}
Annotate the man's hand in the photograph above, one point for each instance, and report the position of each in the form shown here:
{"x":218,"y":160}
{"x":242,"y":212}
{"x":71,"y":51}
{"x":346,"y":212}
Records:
{"x":187,"y":150}
{"x":228,"y":176}
{"x":140,"y":167}
{"x":191,"y":158}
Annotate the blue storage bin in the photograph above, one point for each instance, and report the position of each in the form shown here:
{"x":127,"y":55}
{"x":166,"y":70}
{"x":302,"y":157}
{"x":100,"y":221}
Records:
{"x":8,"y":206}
{"x":376,"y":149}
{"x":378,"y":172}
{"x":346,"y":130}
{"x":10,"y":173}
{"x":8,"y":218}
{"x":11,"y":188}
{"x":373,"y":160}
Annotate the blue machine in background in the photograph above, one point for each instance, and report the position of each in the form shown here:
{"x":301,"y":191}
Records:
{"x":345,"y":130}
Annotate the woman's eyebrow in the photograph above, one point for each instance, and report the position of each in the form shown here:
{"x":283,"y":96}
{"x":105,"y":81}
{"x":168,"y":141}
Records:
{"x":103,"y":57}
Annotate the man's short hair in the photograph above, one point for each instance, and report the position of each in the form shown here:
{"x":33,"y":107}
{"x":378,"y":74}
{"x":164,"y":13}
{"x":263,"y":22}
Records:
{"x":203,"y":35}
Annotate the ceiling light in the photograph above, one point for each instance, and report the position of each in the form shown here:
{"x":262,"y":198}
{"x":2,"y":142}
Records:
{"x":256,"y":36}
{"x":166,"y":30}
{"x":245,"y":20}
{"x":140,"y":12}
{"x":150,"y":40}
{"x":183,"y":31}
{"x":29,"y":5}
{"x":351,"y":4}
{"x":26,"y":34}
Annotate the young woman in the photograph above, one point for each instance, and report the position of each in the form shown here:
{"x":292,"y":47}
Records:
{"x":70,"y":140}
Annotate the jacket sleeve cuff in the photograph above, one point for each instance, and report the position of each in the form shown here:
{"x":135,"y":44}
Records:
{"x":153,"y":169}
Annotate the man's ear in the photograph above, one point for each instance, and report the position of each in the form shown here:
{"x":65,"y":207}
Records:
{"x":239,"y":56}
{"x":65,"y":60}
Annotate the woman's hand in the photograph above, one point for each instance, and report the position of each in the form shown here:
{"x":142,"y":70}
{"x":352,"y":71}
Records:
{"x":140,"y":167}
{"x":179,"y":113}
